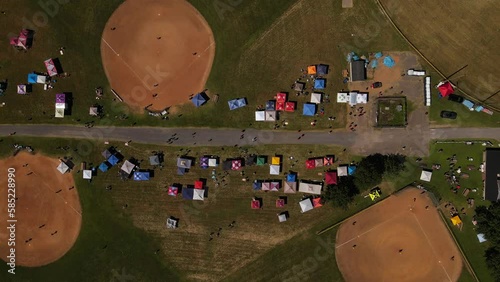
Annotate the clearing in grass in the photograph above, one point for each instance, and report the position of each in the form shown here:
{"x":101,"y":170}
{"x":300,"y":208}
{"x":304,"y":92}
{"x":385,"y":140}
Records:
{"x":391,"y":112}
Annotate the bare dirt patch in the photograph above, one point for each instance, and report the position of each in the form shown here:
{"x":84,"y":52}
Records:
{"x":157,"y":53}
{"x":52,"y":220}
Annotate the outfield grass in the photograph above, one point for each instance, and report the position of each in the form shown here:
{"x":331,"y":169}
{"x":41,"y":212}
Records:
{"x":451,"y":42}
{"x":467,"y":237}
{"x":261,"y":47}
{"x":387,"y":113}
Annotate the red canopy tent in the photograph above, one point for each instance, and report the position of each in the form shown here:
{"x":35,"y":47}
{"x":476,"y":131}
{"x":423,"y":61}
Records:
{"x":281,"y":97}
{"x":290,"y":106}
{"x":446,"y":89}
{"x":310,"y":164}
{"x":255,"y":204}
{"x":317,"y":202}
{"x":280,"y":203}
{"x":280,"y":106}
{"x":331,"y":177}
{"x":198,"y":184}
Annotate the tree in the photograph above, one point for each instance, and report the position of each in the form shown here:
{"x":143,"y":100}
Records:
{"x":394,"y":163}
{"x":370,"y":171}
{"x":342,"y":194}
{"x":488,"y":222}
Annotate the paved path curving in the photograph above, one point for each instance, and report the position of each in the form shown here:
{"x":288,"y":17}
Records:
{"x":416,"y":140}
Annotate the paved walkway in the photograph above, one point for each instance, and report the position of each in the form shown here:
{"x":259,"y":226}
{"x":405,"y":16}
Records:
{"x":416,"y":140}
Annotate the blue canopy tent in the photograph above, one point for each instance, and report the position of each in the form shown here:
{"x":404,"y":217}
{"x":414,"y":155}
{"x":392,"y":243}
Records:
{"x":351,"y":169}
{"x":291,"y":177}
{"x":322,"y":70}
{"x":113,"y":160}
{"x":188,"y":193}
{"x":271,"y":105}
{"x":468,"y":104}
{"x":389,"y":61}
{"x":319,"y":83}
{"x":309,"y":109}
{"x":257,"y":185}
{"x":141,"y":175}
{"x":32,"y":78}
{"x":378,"y":55}
{"x":241,"y":102}
{"x":104,"y":166}
{"x":181,"y":171}
{"x":199,"y":99}
{"x":233,"y":104}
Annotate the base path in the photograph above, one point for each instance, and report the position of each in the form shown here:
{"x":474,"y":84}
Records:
{"x":380,"y":141}
{"x":400,"y":239}
{"x":157,"y":52}
{"x":48,"y":221}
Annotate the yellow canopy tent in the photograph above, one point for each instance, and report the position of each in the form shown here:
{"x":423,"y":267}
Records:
{"x":456,"y":220}
{"x":311,"y":70}
{"x":275,"y":160}
{"x":373,"y":195}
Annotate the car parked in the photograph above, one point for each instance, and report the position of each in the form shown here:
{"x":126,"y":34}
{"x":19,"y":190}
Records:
{"x":377,"y":84}
{"x":456,"y":98}
{"x":448,"y":114}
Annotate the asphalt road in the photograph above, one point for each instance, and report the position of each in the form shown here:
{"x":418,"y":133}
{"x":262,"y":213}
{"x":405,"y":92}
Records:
{"x":413,"y":141}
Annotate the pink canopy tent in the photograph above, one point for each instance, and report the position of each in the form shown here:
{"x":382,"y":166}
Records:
{"x":51,"y":67}
{"x":236,"y":165}
{"x":21,"y":41}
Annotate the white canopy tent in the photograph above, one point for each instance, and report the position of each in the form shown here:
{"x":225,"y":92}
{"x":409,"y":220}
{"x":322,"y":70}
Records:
{"x":361,"y":98}
{"x":62,"y":167}
{"x":87,"y":174}
{"x":316,"y":98}
{"x":426,"y":175}
{"x":306,"y":205}
{"x":42,"y":79}
{"x":198,"y":194}
{"x":212,"y":162}
{"x":260,"y":116}
{"x":310,"y":188}
{"x":59,"y":113}
{"x":282,"y":217}
{"x":127,"y":167}
{"x":271,"y":116}
{"x":342,"y":97}
{"x":342,"y":170}
{"x":274,"y":169}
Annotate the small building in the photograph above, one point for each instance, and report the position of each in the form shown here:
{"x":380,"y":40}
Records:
{"x":357,"y":70}
{"x":492,"y":174}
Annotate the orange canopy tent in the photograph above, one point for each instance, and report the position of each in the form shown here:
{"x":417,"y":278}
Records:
{"x":311,"y":70}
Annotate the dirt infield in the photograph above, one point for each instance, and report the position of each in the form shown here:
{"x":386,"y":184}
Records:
{"x":368,"y":246}
{"x":52,"y":220}
{"x":157,"y":52}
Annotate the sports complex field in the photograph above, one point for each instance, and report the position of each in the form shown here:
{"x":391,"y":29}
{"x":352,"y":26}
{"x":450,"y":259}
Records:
{"x":400,"y":239}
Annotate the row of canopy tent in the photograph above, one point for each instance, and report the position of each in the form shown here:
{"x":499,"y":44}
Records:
{"x":320,"y":161}
{"x":237,"y":103}
{"x":447,"y":88}
{"x":37,"y":78}
{"x":353,"y":98}
{"x":60,"y":106}
{"x":206,"y":162}
{"x":309,"y":203}
{"x":319,"y":69}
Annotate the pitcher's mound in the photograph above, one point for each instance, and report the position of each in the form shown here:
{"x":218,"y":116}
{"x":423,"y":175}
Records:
{"x":157,"y":52}
{"x":46,"y":223}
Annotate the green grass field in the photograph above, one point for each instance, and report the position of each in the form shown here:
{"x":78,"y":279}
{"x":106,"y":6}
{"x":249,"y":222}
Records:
{"x":388,"y":114}
{"x":450,"y":40}
{"x":467,"y":237}
{"x":133,"y":234}
{"x":260,"y":51}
